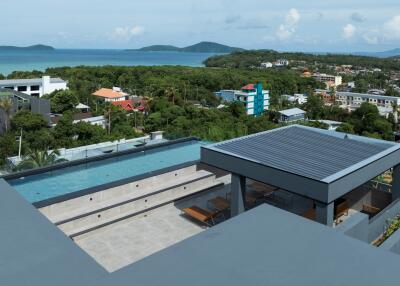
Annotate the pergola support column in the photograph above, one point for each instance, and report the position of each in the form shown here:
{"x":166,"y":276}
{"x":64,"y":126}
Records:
{"x":238,"y":192}
{"x":396,"y":183}
{"x":325,"y":213}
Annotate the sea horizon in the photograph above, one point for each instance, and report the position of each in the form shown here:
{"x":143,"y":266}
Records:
{"x":13,"y":60}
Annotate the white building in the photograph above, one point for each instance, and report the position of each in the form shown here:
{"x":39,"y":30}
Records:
{"x":296,"y":98}
{"x":352,"y":101}
{"x":266,"y":65}
{"x":36,"y":86}
{"x":325,"y":78}
{"x":255,"y":99}
{"x":281,"y":63}
{"x":292,"y":115}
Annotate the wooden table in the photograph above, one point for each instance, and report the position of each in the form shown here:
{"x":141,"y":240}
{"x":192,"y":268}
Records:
{"x":220,"y":204}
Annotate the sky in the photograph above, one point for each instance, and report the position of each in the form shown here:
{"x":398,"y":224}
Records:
{"x":284,"y":25}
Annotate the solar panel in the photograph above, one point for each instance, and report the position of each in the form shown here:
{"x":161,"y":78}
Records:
{"x":302,"y":151}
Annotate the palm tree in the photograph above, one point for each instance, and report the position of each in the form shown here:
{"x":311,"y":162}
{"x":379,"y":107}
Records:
{"x":170,"y":92}
{"x":37,"y":159}
{"x":6,"y":104}
{"x":395,"y":112}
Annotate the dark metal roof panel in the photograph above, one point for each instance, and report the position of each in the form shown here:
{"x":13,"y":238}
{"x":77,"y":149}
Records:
{"x":303,"y":151}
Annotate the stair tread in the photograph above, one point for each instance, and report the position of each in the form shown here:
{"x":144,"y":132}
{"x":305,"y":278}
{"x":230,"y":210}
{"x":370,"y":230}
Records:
{"x":76,"y":231}
{"x":123,"y":198}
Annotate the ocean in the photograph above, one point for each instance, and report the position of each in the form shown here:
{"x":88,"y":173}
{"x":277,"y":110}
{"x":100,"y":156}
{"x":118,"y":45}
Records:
{"x":40,"y":60}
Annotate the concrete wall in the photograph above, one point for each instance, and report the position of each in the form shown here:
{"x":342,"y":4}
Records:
{"x":378,"y":223}
{"x":358,"y":226}
{"x":392,"y":243}
{"x":355,"y":226}
{"x":368,"y":195}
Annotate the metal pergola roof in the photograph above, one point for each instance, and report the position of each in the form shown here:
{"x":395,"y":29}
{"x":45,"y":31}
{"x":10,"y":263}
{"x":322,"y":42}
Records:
{"x":319,"y":164}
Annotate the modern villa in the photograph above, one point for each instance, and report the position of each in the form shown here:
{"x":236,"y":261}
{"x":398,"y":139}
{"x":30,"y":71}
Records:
{"x":23,"y":101}
{"x":36,"y":87}
{"x":290,"y":206}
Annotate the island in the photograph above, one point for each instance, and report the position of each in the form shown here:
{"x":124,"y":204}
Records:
{"x":29,"y":48}
{"x":203,"y":47}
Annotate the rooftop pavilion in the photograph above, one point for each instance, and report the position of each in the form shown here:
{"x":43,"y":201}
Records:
{"x":135,"y":231}
{"x":316,"y":164}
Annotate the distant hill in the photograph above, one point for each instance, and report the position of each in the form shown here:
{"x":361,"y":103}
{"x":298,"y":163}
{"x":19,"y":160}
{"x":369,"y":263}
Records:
{"x":29,"y":48}
{"x":203,"y":47}
{"x":384,"y":54}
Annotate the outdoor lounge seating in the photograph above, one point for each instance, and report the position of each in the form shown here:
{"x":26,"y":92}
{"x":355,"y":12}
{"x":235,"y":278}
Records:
{"x":219,"y":204}
{"x":310,"y":214}
{"x":371,"y":211}
{"x":252,"y":199}
{"x":263,"y":189}
{"x":201,"y":215}
{"x":341,"y":208}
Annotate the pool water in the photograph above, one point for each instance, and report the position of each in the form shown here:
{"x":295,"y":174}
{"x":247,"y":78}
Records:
{"x":59,"y":182}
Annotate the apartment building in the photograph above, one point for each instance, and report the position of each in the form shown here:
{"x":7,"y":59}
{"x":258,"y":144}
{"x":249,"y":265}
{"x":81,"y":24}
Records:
{"x":253,"y":96}
{"x":296,"y":98}
{"x":329,"y":80}
{"x":352,"y":101}
{"x":36,"y":87}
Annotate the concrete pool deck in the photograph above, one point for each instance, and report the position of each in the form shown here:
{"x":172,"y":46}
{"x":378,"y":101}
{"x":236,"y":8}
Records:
{"x":133,"y":239}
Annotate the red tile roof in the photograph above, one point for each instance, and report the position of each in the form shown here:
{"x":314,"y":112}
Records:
{"x":125,"y":104}
{"x":248,"y":87}
{"x":109,"y":93}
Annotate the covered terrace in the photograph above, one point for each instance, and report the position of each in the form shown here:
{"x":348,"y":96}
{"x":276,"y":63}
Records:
{"x":320,"y":165}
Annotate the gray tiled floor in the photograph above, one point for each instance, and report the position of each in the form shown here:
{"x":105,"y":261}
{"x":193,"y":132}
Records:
{"x":125,"y":242}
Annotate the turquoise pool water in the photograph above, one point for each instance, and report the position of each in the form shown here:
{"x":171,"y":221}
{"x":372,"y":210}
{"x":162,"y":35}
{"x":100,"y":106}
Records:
{"x":52,"y":184}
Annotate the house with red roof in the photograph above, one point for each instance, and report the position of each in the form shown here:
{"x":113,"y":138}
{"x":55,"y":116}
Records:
{"x":131,"y":104}
{"x":111,"y":95}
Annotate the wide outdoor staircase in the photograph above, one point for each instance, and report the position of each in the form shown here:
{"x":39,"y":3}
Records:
{"x":90,"y":212}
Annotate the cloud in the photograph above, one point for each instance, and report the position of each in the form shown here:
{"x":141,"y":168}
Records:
{"x":357,"y":17}
{"x":371,"y":39}
{"x":349,"y":31}
{"x":126,"y":33}
{"x":391,"y":29}
{"x":232,"y":19}
{"x":287,"y":30}
{"x":253,"y":26}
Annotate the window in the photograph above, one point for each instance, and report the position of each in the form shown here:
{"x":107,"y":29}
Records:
{"x":22,"y":88}
{"x":9,"y":87}
{"x":35,"y":94}
{"x":35,"y":87}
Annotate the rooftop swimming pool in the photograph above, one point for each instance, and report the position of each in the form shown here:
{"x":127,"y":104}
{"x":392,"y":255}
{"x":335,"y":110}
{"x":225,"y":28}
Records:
{"x":67,"y":180}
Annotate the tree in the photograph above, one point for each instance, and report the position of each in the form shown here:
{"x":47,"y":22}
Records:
{"x":8,"y":146}
{"x":28,"y":121}
{"x":346,"y":128}
{"x":37,"y":159}
{"x":6,"y":105}
{"x":63,"y":100}
{"x":64,"y":131}
{"x":314,"y":107}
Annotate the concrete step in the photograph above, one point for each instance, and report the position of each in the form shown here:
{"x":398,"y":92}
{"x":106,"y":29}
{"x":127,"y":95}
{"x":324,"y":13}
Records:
{"x":131,"y":196}
{"x":106,"y":217}
{"x":71,"y":208}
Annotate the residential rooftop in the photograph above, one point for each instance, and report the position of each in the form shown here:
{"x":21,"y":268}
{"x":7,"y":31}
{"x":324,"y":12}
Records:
{"x":292,"y":111}
{"x":31,"y":81}
{"x":109,"y":93}
{"x":304,"y":151}
{"x":138,"y":232}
